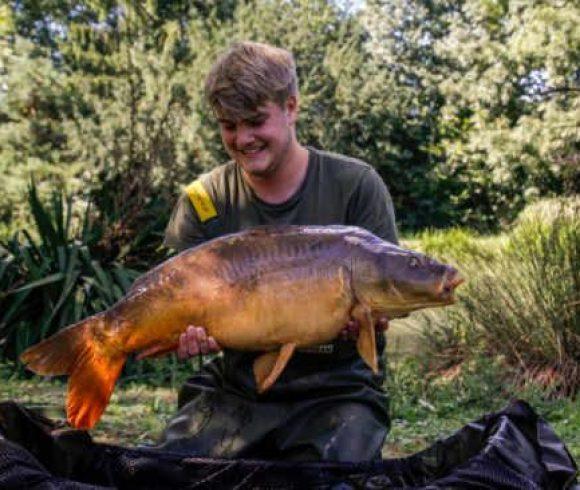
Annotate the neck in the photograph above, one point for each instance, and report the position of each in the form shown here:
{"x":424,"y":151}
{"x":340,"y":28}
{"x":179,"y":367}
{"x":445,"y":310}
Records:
{"x":280,"y":185}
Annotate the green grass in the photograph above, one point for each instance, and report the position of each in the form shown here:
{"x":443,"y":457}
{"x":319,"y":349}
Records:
{"x":429,"y":406}
{"x":426,"y":407}
{"x":423,"y":408}
{"x":136,"y":414}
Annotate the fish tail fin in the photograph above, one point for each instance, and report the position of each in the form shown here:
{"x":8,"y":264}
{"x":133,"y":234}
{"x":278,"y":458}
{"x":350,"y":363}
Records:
{"x":90,"y":387}
{"x":58,"y":354}
{"x":92,"y":368}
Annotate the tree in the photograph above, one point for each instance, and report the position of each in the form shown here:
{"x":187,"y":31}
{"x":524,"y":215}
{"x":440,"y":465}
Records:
{"x":106,"y":98}
{"x":402,"y":40}
{"x":467,"y":108}
{"x":503,"y":109}
{"x":519,"y":86}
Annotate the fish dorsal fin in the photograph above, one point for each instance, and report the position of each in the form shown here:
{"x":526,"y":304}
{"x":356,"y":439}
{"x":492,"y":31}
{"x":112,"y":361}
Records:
{"x":366,"y":343}
{"x":269,"y":366}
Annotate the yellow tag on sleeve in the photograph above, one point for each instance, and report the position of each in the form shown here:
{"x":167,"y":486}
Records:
{"x":201,"y":201}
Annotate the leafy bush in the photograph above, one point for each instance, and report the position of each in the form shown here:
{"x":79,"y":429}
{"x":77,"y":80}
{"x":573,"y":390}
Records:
{"x":68,"y":268}
{"x":522,"y":305}
{"x":456,"y":244}
{"x":54,"y":280}
{"x":548,"y":210}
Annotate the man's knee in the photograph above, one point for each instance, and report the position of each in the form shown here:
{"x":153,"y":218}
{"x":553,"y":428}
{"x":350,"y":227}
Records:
{"x":350,"y":431}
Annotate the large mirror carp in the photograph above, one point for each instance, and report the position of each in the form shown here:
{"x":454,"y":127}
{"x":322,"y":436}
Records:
{"x":267,"y":289}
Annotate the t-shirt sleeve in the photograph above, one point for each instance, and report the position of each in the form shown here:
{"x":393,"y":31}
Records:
{"x":184,"y":229}
{"x":371,"y":207}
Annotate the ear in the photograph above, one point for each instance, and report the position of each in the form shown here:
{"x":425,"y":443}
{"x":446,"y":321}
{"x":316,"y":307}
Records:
{"x":291,"y":107}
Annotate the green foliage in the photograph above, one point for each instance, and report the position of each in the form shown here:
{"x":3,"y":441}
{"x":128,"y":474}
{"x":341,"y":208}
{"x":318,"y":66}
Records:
{"x":457,"y":244}
{"x":514,"y":98}
{"x":401,"y":40}
{"x":32,"y":141}
{"x":416,"y":392}
{"x":54,"y":280}
{"x":112,"y":111}
{"x":497,"y":85}
{"x":550,"y":210}
{"x":467,"y":109}
{"x":521,"y":303}
{"x":66,"y":268}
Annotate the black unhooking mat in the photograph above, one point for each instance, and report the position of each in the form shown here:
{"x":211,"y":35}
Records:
{"x":510,"y":449}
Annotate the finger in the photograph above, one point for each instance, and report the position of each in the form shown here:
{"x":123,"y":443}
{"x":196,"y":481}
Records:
{"x":182,"y":347}
{"x":192,"y":347}
{"x":200,"y":335}
{"x":213,"y":345}
{"x":190,"y":333}
{"x":202,"y":340}
{"x":383,"y":324}
{"x":191,"y":343}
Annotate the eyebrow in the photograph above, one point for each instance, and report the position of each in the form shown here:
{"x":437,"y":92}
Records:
{"x":253,"y":118}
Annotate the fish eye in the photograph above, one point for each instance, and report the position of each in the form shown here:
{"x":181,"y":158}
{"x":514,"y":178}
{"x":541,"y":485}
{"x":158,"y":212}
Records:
{"x":413,"y":262}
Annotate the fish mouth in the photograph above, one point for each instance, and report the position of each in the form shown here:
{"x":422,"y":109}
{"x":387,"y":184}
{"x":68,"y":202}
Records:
{"x":450,"y":281}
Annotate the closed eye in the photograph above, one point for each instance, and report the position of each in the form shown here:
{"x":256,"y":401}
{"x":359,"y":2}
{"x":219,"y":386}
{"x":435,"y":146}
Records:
{"x":255,"y":123}
{"x":227,"y":126}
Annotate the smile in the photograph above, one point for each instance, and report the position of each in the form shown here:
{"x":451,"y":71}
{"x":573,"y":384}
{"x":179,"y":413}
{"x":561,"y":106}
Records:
{"x":252,"y":151}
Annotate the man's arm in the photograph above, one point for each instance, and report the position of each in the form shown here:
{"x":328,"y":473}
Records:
{"x":184,"y":231}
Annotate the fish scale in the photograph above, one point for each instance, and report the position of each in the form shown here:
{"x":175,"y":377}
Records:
{"x":295,"y":256}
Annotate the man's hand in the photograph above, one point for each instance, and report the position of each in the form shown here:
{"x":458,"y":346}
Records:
{"x":195,"y":341}
{"x":352,"y":328}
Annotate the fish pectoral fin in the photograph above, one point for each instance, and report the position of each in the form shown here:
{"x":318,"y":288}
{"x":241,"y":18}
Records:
{"x":366,"y":343}
{"x":269,"y":366}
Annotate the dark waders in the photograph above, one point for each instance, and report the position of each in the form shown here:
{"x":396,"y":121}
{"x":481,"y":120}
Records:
{"x":326,"y":406}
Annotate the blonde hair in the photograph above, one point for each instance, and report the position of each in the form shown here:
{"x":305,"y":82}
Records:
{"x":249,"y":75}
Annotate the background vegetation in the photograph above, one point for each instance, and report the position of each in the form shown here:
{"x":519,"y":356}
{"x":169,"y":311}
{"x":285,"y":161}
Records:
{"x":468,"y":109}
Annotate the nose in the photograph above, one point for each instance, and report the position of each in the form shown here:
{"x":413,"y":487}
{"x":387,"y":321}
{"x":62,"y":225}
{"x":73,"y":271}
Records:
{"x":244,"y":136}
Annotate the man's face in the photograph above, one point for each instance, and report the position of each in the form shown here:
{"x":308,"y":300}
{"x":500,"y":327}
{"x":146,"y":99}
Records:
{"x":260,"y":142}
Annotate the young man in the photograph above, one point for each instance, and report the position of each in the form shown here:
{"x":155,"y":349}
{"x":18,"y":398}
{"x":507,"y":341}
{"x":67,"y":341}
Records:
{"x":327,"y":404}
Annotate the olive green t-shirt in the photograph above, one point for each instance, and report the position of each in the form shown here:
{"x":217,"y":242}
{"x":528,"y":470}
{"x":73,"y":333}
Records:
{"x":336,"y":190}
